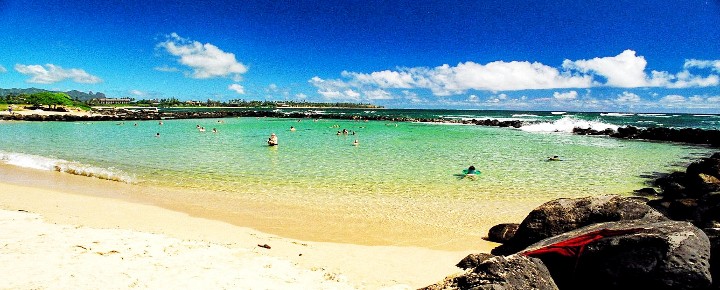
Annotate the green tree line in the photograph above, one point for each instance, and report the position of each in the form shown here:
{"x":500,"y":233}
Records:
{"x":51,"y":100}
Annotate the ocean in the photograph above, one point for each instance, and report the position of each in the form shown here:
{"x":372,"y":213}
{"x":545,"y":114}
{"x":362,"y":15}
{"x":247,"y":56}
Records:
{"x":402,"y":183}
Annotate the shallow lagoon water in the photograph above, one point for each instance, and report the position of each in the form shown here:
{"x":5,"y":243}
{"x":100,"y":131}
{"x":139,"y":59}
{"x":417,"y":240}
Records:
{"x":401,"y":185}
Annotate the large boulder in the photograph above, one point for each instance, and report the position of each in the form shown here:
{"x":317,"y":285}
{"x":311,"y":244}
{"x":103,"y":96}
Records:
{"x":714,"y":236}
{"x":709,"y":166}
{"x":565,"y":214}
{"x":628,"y":255}
{"x":508,"y":273}
{"x":703,"y":212}
{"x":502,"y":233}
{"x":473,"y":260}
{"x":673,"y":185}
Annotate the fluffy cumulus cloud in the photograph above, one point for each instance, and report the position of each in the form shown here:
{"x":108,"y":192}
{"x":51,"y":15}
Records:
{"x":566,"y":96}
{"x":625,"y":70}
{"x":2,"y":69}
{"x":51,"y":73}
{"x":628,"y":97}
{"x":448,"y":80}
{"x":206,"y":60}
{"x":237,"y":88}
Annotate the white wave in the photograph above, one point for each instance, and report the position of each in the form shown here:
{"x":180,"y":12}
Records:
{"x":523,"y":115}
{"x":481,"y":118}
{"x":655,"y":115}
{"x":567,"y":124}
{"x":558,"y":113}
{"x":616,"y":114}
{"x":60,"y":165}
{"x":706,"y":116}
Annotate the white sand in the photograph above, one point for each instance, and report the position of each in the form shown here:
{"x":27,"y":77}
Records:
{"x":20,"y":111}
{"x":66,"y":241}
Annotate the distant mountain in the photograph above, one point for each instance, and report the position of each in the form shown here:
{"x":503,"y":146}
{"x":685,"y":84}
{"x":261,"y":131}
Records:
{"x":84,"y":97}
{"x":76,"y":95}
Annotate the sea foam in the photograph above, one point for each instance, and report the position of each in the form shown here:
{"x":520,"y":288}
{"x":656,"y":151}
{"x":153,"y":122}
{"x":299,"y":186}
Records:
{"x":60,"y":165}
{"x":566,"y":124}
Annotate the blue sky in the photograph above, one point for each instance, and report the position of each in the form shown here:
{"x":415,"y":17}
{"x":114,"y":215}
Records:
{"x":637,"y":56}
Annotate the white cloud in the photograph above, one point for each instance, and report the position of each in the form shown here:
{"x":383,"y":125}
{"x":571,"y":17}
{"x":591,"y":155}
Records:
{"x":237,"y":88}
{"x":628,"y":97}
{"x":495,"y":76}
{"x":166,"y":68}
{"x":206,"y":60}
{"x":412,"y":97}
{"x":51,"y":73}
{"x":137,"y":93}
{"x":384,"y":79}
{"x":301,"y":96}
{"x":351,"y":94}
{"x":379,"y":94}
{"x":473,"y":99}
{"x":334,"y":89}
{"x":695,"y":63}
{"x":625,"y":70}
{"x":685,"y":79}
{"x":672,"y":99}
{"x":2,"y":69}
{"x":566,"y":96}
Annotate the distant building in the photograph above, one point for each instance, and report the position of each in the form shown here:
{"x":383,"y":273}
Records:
{"x":112,"y":101}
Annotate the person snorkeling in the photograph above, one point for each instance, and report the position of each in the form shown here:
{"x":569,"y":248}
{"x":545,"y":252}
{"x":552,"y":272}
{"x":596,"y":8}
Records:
{"x":472,"y":170}
{"x":554,"y":158}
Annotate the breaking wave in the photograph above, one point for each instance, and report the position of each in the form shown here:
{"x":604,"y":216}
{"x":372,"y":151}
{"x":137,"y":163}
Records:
{"x":566,"y":124}
{"x":60,"y":165}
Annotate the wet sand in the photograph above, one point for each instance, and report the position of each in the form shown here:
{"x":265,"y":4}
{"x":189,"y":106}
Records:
{"x":68,"y":206}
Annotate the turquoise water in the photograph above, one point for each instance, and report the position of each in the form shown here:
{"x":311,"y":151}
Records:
{"x":402,"y":180}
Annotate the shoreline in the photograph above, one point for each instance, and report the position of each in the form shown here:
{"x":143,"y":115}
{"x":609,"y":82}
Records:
{"x":364,"y":267}
{"x":269,"y":216}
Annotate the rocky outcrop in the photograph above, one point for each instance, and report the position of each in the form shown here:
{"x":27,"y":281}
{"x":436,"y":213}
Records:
{"x":473,"y":260}
{"x":502,"y":233}
{"x":512,"y":272}
{"x":563,"y":215}
{"x":685,"y":135}
{"x":628,"y":255}
{"x":693,"y":195}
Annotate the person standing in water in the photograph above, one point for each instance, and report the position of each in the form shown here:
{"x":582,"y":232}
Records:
{"x":273,"y":140}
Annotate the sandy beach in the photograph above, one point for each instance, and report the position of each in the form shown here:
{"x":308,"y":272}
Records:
{"x":53,"y":239}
